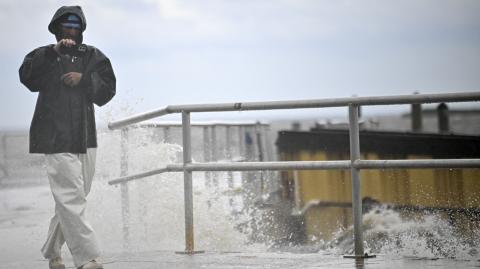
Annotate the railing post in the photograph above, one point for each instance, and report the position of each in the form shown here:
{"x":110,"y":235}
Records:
{"x":261,"y":156}
{"x":241,"y":141}
{"x":187,"y":184}
{"x":416,"y":116}
{"x":242,"y":150}
{"x":356,"y":199}
{"x":166,"y":135}
{"x":125,"y":200}
{"x":214,"y":153}
{"x":206,"y":154}
{"x":228,"y":156}
{"x":272,"y":184}
{"x":248,"y":178}
{"x":443,"y":118}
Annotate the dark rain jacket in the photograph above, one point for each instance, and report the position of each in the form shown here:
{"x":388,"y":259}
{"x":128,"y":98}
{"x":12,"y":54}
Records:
{"x":64,"y":117}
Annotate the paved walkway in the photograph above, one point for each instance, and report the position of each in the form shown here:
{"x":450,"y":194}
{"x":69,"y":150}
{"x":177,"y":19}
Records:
{"x":25,"y":212}
{"x":240,"y":260}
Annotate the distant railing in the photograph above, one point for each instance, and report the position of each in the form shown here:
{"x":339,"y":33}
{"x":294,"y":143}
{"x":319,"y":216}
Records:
{"x":354,"y":164}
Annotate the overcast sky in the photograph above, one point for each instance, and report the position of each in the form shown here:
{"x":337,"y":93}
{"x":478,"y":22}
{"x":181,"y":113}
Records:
{"x":179,"y":52}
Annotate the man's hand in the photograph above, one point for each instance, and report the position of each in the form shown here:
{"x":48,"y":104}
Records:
{"x":64,"y":43}
{"x":71,"y":79}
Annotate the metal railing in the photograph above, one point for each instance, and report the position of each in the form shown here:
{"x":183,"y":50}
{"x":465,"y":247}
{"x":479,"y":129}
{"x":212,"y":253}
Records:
{"x":354,"y":164}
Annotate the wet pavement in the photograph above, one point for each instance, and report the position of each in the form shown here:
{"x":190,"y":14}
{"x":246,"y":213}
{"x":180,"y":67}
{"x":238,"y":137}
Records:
{"x":24,"y":215}
{"x":241,"y":260}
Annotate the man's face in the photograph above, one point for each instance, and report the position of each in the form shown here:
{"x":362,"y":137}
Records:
{"x":70,"y":32}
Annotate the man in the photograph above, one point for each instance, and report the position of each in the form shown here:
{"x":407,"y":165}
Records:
{"x":69,"y":77}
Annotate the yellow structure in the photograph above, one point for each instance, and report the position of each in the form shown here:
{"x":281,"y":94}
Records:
{"x":324,"y":197}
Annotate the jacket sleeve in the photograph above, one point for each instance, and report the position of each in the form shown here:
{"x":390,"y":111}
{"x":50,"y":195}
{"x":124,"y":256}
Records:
{"x":99,"y":79}
{"x":38,"y":69}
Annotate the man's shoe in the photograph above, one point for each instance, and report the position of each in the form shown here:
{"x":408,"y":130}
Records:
{"x":91,"y":265}
{"x":56,"y":263}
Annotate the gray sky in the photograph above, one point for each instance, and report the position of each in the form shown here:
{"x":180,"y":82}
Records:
{"x":178,"y":52}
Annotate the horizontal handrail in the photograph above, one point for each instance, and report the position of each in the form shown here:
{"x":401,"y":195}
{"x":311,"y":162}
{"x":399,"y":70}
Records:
{"x":306,"y":165}
{"x":243,"y":166}
{"x":204,"y":124}
{"x":417,"y":163}
{"x":297,"y":104}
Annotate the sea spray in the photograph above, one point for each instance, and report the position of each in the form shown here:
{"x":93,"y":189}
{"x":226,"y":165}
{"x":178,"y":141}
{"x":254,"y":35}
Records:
{"x":156,"y":203}
{"x":389,"y":232}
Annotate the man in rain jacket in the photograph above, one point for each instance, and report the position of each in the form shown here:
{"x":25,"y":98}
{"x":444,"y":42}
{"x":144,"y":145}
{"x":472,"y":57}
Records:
{"x":69,"y":77}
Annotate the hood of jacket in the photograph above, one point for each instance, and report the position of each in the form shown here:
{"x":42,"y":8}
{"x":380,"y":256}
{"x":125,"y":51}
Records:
{"x":63,"y":12}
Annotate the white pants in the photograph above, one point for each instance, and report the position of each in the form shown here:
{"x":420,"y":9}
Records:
{"x":70,"y":176}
